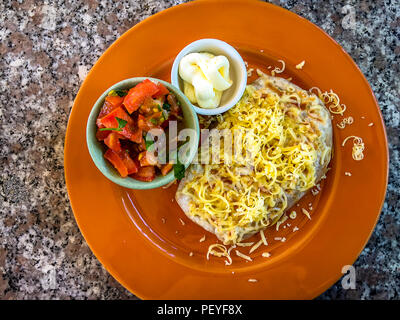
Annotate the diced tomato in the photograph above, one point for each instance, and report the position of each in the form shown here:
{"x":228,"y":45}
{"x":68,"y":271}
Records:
{"x":110,"y":121}
{"x":150,"y":122}
{"x":136,"y":135}
{"x":111,"y":103}
{"x":122,"y":162}
{"x":101,"y":135}
{"x":129,"y":131}
{"x":156,"y":119}
{"x":162,"y":91}
{"x":166,"y":168}
{"x":175,"y":109}
{"x":112,"y":141}
{"x":165,"y":123}
{"x":143,"y":123}
{"x":130,"y":164}
{"x":147,"y":158}
{"x":146,"y":174}
{"x":117,"y":162}
{"x":148,"y":106}
{"x":105,"y":110}
{"x":136,"y":96}
{"x":141,"y":146}
{"x":115,"y":101}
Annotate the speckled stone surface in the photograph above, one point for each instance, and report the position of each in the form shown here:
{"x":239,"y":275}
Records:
{"x":47,"y":48}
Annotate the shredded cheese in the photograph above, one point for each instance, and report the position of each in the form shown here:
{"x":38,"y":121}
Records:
{"x":277,"y":134}
{"x":284,"y":218}
{"x":203,"y":238}
{"x":277,"y":70}
{"x":256,"y":246}
{"x":259,"y":72}
{"x":264,"y":240}
{"x":219,"y":250}
{"x":241,"y":255}
{"x":300,"y":65}
{"x":358,"y":147}
{"x":245,"y":244}
{"x":170,"y":183}
{"x":314,"y":191}
{"x":331,"y":100}
{"x":293,"y":215}
{"x":266,"y":254}
{"x":344,"y":122}
{"x":306,"y":213}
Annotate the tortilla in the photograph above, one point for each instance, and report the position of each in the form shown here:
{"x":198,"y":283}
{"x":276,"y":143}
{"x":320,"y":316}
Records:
{"x":319,"y":119}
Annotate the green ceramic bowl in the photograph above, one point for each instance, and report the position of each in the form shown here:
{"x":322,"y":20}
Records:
{"x":97,"y":149}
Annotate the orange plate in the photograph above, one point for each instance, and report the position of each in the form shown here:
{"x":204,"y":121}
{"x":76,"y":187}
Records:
{"x":124,"y":228}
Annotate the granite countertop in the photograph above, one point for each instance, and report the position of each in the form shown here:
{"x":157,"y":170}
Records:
{"x":46,"y":50}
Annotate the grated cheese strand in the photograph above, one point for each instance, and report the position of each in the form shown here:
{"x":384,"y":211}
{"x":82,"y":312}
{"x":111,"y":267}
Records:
{"x":245,"y":244}
{"x":331,"y":100}
{"x":306,"y":213}
{"x":344,"y":122}
{"x":300,"y":65}
{"x":256,"y":246}
{"x":279,"y":70}
{"x":241,"y":255}
{"x":358,"y":147}
{"x":223,"y":252}
{"x":264,"y":240}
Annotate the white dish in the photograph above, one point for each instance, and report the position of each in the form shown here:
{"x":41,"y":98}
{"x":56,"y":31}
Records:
{"x":237,"y":72}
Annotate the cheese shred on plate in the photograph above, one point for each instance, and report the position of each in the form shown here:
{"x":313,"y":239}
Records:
{"x":219,"y":250}
{"x":331,"y":100}
{"x":358,"y":147}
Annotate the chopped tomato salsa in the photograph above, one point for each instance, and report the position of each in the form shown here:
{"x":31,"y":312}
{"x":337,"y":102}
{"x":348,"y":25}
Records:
{"x":112,"y":141}
{"x":124,"y":120}
{"x":138,"y":94}
{"x":145,"y":174}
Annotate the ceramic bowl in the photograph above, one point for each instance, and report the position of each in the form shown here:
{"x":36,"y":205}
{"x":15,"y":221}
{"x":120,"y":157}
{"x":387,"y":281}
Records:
{"x":237,"y":72}
{"x":97,"y":148}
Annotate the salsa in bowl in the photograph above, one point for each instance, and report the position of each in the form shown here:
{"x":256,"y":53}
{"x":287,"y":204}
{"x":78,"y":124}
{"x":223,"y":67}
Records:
{"x":134,"y":133}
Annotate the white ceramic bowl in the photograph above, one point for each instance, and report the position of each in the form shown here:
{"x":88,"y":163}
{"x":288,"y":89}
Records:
{"x":237,"y":72}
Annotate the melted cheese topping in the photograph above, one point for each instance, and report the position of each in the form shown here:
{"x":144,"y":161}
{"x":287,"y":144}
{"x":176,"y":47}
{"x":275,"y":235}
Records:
{"x":285,"y":145}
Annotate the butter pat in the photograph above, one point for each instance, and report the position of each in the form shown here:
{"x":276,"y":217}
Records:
{"x":205,"y":77}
